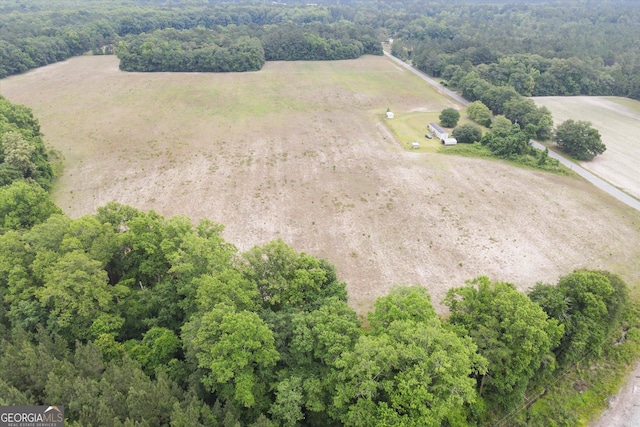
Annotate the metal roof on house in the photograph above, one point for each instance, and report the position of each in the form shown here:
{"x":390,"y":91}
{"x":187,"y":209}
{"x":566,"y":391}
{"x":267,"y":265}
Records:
{"x":436,"y":128}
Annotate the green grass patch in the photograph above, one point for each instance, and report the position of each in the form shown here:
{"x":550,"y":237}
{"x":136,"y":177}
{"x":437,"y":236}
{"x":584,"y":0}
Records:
{"x":631,"y":104}
{"x":410,"y":127}
{"x":467,"y":150}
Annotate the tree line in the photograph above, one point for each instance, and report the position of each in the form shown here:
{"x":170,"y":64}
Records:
{"x":48,"y":32}
{"x":514,"y":120}
{"x":128,"y":318}
{"x":538,"y":48}
{"x":189,"y":50}
{"x":26,"y":172}
{"x":243,"y":48}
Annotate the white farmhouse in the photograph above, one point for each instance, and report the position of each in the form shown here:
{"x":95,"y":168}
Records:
{"x":441,"y":134}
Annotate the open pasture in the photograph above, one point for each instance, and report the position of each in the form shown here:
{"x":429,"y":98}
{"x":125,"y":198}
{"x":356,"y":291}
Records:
{"x":301,"y":151}
{"x":618,"y":121}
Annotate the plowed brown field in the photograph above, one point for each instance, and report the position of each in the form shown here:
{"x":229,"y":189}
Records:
{"x":300,"y":151}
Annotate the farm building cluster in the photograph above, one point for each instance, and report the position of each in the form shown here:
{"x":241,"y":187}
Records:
{"x":434,"y":128}
{"x":441,"y":134}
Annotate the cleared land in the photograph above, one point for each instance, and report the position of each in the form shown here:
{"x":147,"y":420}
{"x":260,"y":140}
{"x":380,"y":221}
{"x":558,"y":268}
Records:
{"x":301,"y":151}
{"x":618,"y":121}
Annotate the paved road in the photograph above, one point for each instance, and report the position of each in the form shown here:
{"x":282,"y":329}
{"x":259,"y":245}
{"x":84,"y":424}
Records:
{"x":598,"y":182}
{"x":429,"y":80}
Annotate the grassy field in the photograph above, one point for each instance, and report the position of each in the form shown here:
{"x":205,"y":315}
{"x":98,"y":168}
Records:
{"x":411,"y":126}
{"x":618,"y":121}
{"x":302,"y":151}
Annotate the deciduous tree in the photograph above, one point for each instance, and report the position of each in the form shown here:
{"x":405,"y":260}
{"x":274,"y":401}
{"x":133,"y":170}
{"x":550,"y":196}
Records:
{"x":512,"y":332}
{"x":449,"y":117}
{"x":236,"y":351}
{"x":412,"y":374}
{"x":76,"y":291}
{"x":402,"y":303}
{"x":467,"y":133}
{"x":24,"y":204}
{"x":18,"y":152}
{"x":588,"y":306}
{"x":479,"y":113}
{"x":286,"y":278}
{"x":579,"y":139}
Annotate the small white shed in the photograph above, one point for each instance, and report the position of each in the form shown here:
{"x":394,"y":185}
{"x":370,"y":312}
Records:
{"x":449,"y":141}
{"x":390,"y":115}
{"x":415,"y":145}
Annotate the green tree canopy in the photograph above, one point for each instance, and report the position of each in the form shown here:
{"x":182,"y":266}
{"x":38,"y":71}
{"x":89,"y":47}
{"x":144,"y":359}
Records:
{"x":501,"y":126}
{"x":75,"y":292}
{"x":479,"y":113}
{"x":236,"y":351}
{"x":579,"y":139}
{"x":18,"y":152}
{"x":310,"y":345}
{"x":398,"y":50}
{"x":449,"y":117}
{"x":22,"y":151}
{"x":412,"y":374}
{"x":467,"y":133}
{"x":589,"y":305}
{"x":397,"y":375}
{"x":286,"y":278}
{"x":505,"y":139}
{"x":513,"y":333}
{"x":24,"y":204}
{"x":402,"y":303}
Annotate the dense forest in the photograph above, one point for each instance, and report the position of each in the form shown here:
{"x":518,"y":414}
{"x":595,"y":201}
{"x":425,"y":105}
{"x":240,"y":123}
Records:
{"x":129,"y":318}
{"x":243,"y":48}
{"x":561,"y":48}
{"x":538,"y":48}
{"x":222,"y":37}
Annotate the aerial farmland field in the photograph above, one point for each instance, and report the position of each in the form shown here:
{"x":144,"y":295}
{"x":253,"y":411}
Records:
{"x":618,"y":121}
{"x":301,"y":151}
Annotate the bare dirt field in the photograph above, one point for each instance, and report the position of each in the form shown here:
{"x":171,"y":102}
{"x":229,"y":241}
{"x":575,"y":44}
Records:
{"x":618,"y":121}
{"x":301,"y":151}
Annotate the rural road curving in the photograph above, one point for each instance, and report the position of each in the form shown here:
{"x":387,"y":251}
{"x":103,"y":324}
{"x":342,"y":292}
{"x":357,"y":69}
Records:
{"x":593,"y":179}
